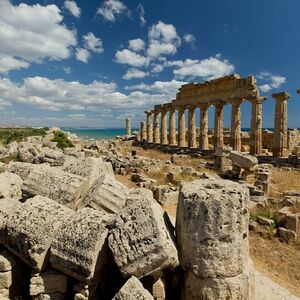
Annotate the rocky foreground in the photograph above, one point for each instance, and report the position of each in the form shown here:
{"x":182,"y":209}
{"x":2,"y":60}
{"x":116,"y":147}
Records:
{"x":70,"y":230}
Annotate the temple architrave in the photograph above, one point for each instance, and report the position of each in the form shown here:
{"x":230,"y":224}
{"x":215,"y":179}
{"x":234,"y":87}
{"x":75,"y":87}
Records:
{"x":229,"y":90}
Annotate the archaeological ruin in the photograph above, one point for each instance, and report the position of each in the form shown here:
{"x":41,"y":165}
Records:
{"x":160,"y":127}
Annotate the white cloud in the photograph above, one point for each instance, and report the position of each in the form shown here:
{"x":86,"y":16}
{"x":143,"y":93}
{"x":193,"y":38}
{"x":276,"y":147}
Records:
{"x":76,"y":116}
{"x":189,"y":38}
{"x":32,"y":34}
{"x":82,"y":55}
{"x":157,"y":68}
{"x":72,"y":7}
{"x":8,"y":63}
{"x":163,"y":40}
{"x":141,"y":11}
{"x":208,"y":68}
{"x":272,"y":81}
{"x":91,"y":42}
{"x":57,"y":95}
{"x":169,"y":88}
{"x":134,"y":73}
{"x":110,"y":9}
{"x":136,"y":45}
{"x":131,"y":58}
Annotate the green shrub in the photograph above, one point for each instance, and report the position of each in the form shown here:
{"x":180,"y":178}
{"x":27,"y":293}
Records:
{"x":62,"y":140}
{"x":8,"y":135}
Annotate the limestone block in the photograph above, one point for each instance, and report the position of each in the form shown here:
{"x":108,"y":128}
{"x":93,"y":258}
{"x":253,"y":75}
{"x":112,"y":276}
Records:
{"x":80,"y":247}
{"x":244,"y":161}
{"x":52,"y":296}
{"x":90,"y":168}
{"x":21,"y":169}
{"x":5,"y":279}
{"x":4,"y":294}
{"x":31,"y":229}
{"x":141,"y":240}
{"x":138,"y":194}
{"x":48,"y":282}
{"x":7,"y":261}
{"x":106,"y":194}
{"x":158,"y":290}
{"x":10,"y":186}
{"x":211,"y":225}
{"x":133,"y":289}
{"x":55,"y":157}
{"x":51,"y":182}
{"x":7,"y":207}
{"x":287,"y":235}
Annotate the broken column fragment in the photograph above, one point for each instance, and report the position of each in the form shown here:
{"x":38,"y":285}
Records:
{"x":51,"y":182}
{"x":80,"y":247}
{"x":133,"y":289}
{"x":141,"y":240}
{"x":31,"y":228}
{"x":10,"y":186}
{"x":106,"y":194}
{"x":212,"y":234}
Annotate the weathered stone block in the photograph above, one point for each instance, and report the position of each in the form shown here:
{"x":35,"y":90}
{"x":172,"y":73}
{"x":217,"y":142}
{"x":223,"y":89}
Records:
{"x":287,"y":235}
{"x":106,"y":194}
{"x":7,"y":207}
{"x":141,"y":240}
{"x":7,"y":261}
{"x":10,"y":186}
{"x":80,"y":247}
{"x":48,"y":282}
{"x":133,"y":289}
{"x":211,"y":225}
{"x":244,"y":161}
{"x":51,"y":182}
{"x":31,"y":228}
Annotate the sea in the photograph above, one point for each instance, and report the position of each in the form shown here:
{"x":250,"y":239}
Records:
{"x":96,"y":133}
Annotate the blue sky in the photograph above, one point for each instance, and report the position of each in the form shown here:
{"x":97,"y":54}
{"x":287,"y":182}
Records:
{"x":92,"y":63}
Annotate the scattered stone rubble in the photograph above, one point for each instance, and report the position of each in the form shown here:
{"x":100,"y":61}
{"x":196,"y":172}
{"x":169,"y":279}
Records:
{"x":72,"y":231}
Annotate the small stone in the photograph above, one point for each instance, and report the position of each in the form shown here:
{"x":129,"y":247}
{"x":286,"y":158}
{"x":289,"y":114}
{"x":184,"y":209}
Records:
{"x":265,"y":221}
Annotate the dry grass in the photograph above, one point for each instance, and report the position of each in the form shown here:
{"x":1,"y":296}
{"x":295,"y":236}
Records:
{"x":159,"y":176}
{"x":278,"y":261}
{"x":282,"y":181}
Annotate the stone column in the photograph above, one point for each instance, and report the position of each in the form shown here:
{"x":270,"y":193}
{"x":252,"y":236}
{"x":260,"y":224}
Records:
{"x":164,"y":132}
{"x":128,"y":126}
{"x":256,"y":126}
{"x":218,"y":130}
{"x":143,"y":131}
{"x":203,"y":141}
{"x":172,"y":127}
{"x":280,"y":140}
{"x":149,"y":127}
{"x":192,"y":128}
{"x":219,"y":268}
{"x":181,"y":127}
{"x":156,"y":138}
{"x":236,"y":132}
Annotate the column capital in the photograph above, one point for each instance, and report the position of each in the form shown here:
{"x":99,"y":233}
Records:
{"x":282,"y":96}
{"x":205,"y":105}
{"x":236,"y":102}
{"x":258,"y":100}
{"x":148,"y":112}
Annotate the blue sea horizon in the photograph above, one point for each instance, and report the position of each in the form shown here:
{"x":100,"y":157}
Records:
{"x":93,"y":133}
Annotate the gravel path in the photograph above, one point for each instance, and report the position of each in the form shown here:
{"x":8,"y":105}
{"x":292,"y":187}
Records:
{"x":266,"y":289}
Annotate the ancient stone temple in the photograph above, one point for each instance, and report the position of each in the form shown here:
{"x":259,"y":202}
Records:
{"x":229,"y":90}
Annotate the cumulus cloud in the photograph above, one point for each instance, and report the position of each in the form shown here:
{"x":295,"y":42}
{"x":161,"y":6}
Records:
{"x":131,"y":58}
{"x":111,"y":9}
{"x":56,"y":95}
{"x":136,"y":45}
{"x":163,"y":87}
{"x":163,"y":40}
{"x":32,"y":33}
{"x":67,"y":70}
{"x":272,"y":81}
{"x":93,"y":43}
{"x":8,"y":63}
{"x":82,"y":55}
{"x":134,"y":73}
{"x":72,"y":7}
{"x":208,"y":68}
{"x":189,"y":38}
